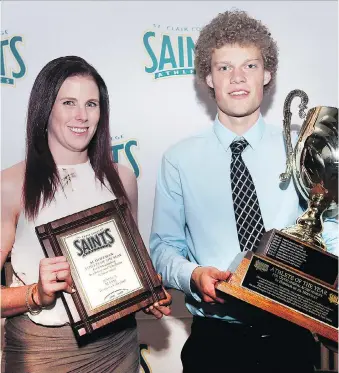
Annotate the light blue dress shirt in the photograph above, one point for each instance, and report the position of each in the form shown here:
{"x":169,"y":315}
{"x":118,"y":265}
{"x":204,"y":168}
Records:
{"x":194,"y":223}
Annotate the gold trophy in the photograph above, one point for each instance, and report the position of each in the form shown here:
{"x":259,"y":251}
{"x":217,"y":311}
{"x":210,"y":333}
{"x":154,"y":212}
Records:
{"x":291,"y":274}
{"x":314,"y":165}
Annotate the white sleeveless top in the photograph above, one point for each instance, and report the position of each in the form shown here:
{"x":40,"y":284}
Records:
{"x":81,"y":190}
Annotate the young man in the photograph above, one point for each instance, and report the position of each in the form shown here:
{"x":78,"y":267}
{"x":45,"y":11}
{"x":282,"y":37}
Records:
{"x":231,"y":169}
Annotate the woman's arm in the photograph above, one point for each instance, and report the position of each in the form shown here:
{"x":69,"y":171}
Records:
{"x":13,"y":300}
{"x":129,"y":182}
{"x":54,"y":273}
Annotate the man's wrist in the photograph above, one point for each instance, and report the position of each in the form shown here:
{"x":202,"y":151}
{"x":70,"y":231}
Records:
{"x":194,"y":289}
{"x":194,"y":276}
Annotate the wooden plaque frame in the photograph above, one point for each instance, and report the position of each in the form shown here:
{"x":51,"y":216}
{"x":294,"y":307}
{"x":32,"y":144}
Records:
{"x":100,"y":230}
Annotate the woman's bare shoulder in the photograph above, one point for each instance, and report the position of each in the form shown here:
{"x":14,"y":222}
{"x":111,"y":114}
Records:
{"x":126,"y":174}
{"x":12,"y":180}
{"x":129,"y":181}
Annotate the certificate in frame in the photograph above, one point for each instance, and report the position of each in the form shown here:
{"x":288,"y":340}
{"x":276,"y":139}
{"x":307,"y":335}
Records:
{"x":111,"y":269}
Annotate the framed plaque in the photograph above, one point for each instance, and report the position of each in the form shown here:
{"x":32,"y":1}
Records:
{"x":111,"y":269}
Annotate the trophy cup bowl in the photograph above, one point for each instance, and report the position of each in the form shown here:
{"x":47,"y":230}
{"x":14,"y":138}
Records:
{"x":290,"y":274}
{"x":314,"y":166}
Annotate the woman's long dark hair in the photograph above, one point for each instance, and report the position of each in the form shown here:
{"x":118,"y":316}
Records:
{"x":41,"y":176}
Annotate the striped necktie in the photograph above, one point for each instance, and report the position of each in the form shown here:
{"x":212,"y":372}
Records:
{"x":250,"y":225}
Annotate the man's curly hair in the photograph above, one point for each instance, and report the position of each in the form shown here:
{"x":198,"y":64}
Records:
{"x":234,"y":27}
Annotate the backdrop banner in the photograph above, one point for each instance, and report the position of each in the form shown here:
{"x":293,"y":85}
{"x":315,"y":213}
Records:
{"x":144,"y":50}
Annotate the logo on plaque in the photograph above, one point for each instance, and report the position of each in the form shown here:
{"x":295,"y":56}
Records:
{"x":333,"y":298}
{"x":87,"y":243}
{"x":261,"y":266}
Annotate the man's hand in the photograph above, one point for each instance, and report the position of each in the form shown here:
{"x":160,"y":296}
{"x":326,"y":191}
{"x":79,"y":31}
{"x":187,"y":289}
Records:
{"x":204,"y":280}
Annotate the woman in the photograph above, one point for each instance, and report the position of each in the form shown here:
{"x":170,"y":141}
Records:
{"x":68,"y":168}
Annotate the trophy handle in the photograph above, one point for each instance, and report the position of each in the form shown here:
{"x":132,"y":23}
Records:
{"x":287,"y":128}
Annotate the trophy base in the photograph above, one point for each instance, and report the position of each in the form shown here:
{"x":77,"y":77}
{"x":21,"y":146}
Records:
{"x":271,"y":286}
{"x":299,"y":233}
{"x":310,"y":260}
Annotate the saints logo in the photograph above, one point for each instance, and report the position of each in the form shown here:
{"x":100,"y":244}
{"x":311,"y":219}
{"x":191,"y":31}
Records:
{"x":169,"y":55}
{"x":12,"y":66}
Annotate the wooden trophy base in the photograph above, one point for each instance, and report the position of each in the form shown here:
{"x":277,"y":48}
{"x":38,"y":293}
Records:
{"x":274,"y":287}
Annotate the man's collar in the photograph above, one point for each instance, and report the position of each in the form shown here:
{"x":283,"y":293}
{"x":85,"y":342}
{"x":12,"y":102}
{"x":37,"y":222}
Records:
{"x":252,"y":136}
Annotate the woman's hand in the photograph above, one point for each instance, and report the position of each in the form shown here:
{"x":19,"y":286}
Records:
{"x":158,"y":309}
{"x":54,"y":276}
